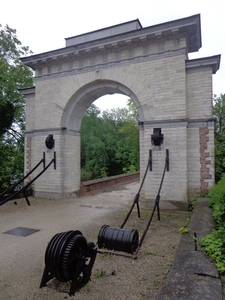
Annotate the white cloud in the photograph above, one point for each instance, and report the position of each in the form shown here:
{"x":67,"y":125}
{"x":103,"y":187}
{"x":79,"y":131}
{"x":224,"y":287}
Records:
{"x":111,"y":101}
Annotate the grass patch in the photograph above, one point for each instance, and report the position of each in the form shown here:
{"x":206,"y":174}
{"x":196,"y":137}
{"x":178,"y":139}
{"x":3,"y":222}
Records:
{"x":185,"y":229}
{"x":156,"y":283}
{"x":99,"y":273}
{"x":191,"y":204}
{"x":89,"y":286}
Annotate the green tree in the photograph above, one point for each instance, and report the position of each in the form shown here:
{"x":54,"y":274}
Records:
{"x":11,"y":163}
{"x":130,"y":133}
{"x":123,"y":139}
{"x":14,"y":75}
{"x":109,"y":142}
{"x":219,"y":113}
{"x":94,"y":158}
{"x":112,"y":120}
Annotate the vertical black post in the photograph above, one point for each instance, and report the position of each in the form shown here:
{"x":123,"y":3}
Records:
{"x":150,"y":159}
{"x":167,"y":160}
{"x":54,"y":160}
{"x":43,"y":160}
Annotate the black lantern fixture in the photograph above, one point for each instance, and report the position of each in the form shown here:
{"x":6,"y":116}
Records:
{"x":50,"y":142}
{"x":157,"y":137}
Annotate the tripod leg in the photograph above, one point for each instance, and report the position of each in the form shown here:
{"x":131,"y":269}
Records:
{"x":77,"y":280}
{"x":45,"y":278}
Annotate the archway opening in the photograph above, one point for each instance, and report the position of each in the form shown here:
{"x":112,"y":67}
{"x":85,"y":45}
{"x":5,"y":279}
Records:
{"x":109,"y":138}
{"x":72,"y":118}
{"x":85,"y":96}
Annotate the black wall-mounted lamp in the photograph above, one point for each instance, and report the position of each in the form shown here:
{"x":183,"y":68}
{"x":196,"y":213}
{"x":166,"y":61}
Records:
{"x":157,"y":137}
{"x":50,"y":142}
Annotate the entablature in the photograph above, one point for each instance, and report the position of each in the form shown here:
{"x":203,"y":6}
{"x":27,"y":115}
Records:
{"x":187,"y":27}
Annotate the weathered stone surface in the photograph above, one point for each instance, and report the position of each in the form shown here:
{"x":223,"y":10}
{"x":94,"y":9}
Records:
{"x":193,"y":275}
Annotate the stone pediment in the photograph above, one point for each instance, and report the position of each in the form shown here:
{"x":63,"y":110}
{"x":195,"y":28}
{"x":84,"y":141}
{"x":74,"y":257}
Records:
{"x":127,"y":34}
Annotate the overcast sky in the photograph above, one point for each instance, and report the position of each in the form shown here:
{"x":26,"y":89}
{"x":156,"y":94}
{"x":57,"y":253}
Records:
{"x":42,"y":25}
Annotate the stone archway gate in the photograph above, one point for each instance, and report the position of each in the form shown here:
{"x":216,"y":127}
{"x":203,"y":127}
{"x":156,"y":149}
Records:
{"x":151,"y":66}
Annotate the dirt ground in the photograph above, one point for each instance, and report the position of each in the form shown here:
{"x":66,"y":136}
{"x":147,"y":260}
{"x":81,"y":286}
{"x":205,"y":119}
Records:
{"x":113,"y":277}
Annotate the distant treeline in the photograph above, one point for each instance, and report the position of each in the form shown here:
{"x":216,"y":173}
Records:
{"x":109,"y":142}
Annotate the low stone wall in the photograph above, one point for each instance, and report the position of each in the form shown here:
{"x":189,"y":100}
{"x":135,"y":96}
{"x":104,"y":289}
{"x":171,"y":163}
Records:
{"x":193,"y":275}
{"x":92,"y":185}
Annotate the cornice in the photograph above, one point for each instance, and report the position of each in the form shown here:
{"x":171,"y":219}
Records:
{"x":55,"y":131}
{"x":186,"y":122}
{"x":188,"y":27}
{"x":27,"y":91}
{"x":210,"y":61}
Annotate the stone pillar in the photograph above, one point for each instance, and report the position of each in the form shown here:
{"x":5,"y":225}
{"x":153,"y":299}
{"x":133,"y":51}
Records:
{"x":174,"y":187}
{"x":64,"y":181}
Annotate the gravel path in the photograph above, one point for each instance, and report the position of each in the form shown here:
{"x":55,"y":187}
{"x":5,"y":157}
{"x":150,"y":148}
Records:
{"x":113,"y":277}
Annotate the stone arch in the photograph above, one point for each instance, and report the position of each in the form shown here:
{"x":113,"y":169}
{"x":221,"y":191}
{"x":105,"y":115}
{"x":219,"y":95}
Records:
{"x":85,"y":96}
{"x":150,"y":65}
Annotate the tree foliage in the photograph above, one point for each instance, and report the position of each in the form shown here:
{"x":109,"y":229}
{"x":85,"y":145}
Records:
{"x":14,"y":75}
{"x":214,"y":243}
{"x":109,"y":142}
{"x":219,"y":113}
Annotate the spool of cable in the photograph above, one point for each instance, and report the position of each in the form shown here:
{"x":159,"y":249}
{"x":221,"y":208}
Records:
{"x":62,"y":253}
{"x":118,"y":239}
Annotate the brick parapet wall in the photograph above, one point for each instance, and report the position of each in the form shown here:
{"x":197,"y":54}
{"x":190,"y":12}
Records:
{"x":93,"y":185}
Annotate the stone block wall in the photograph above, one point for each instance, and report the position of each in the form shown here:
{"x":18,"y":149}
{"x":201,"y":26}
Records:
{"x":201,"y":172}
{"x":65,"y":180}
{"x":193,"y":162}
{"x":199,"y":93}
{"x":175,"y":181}
{"x":159,"y":85}
{"x":153,"y":70}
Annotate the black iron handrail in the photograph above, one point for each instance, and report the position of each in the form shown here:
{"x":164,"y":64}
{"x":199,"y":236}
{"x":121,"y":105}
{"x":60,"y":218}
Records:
{"x":12,"y":188}
{"x":136,"y":198}
{"x":24,"y":189}
{"x":157,"y":199}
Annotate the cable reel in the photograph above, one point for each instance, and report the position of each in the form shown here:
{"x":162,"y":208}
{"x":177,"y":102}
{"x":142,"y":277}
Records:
{"x":118,"y":239}
{"x":66,"y":258}
{"x":69,"y":257}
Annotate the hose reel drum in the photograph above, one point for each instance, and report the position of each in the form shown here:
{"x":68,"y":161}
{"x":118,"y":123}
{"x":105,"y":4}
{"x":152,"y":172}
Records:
{"x":69,"y":257}
{"x":118,"y":239}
